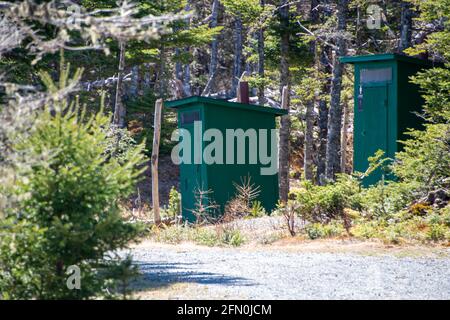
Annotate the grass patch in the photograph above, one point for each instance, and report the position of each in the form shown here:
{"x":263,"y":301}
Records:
{"x":330,"y":230}
{"x":217,"y":235}
{"x":414,"y":229}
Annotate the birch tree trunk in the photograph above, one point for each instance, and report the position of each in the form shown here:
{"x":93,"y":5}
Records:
{"x":333,"y":163}
{"x":285,"y":123}
{"x":119,"y":108}
{"x":261,"y":61}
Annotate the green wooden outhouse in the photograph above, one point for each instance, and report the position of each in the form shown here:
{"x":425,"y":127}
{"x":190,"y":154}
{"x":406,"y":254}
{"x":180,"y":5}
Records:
{"x":386,"y":103}
{"x":235,"y":126}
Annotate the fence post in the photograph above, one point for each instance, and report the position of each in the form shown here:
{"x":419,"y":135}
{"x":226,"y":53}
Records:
{"x":154,"y":161}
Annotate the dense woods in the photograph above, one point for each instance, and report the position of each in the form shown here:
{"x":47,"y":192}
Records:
{"x":78,"y":85}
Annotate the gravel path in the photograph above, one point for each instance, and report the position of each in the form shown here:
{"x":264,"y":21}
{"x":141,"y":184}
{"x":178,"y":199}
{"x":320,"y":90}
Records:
{"x":274,"y":274}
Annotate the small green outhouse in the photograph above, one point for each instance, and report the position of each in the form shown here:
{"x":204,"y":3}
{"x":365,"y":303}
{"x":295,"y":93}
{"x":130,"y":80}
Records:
{"x":386,"y":103}
{"x":221,"y":144}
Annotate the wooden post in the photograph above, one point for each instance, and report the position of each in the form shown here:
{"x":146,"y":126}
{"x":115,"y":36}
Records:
{"x":243,"y":92}
{"x":154,"y":161}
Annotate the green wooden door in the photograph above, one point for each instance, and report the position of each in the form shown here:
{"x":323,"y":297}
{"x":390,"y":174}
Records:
{"x":190,"y":173}
{"x":371,"y":129}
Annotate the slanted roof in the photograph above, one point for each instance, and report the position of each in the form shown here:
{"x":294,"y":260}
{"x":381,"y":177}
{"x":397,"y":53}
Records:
{"x":385,"y":57}
{"x":223,"y":103}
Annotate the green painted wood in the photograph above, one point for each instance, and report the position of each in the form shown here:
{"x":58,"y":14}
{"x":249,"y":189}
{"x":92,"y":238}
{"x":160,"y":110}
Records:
{"x":385,"y":57}
{"x":219,"y":178}
{"x":193,"y":176}
{"x":222,"y":176}
{"x":182,"y":103}
{"x":371,"y":131}
{"x":386,"y":110}
{"x":410,"y":101}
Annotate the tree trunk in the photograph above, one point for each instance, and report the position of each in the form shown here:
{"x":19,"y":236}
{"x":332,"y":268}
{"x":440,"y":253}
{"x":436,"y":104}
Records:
{"x":154,"y":161}
{"x":309,"y":130}
{"x":141,"y":80}
{"x":162,"y":71}
{"x":314,"y":12}
{"x":187,"y":79}
{"x":309,"y":141}
{"x":323,"y":132}
{"x":119,"y":108}
{"x":186,"y":70}
{"x":333,"y":164}
{"x":214,"y":46}
{"x":178,"y":66}
{"x":285,"y":123}
{"x":358,"y":33}
{"x":261,"y":99}
{"x":344,"y":137}
{"x":324,"y":67}
{"x":186,"y":76}
{"x":405,"y":26}
{"x":237,"y":62}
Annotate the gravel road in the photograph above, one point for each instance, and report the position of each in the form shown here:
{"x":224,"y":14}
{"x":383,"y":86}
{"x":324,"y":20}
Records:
{"x":231,"y":273}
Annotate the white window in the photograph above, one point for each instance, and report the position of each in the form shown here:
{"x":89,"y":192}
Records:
{"x":376,"y":75}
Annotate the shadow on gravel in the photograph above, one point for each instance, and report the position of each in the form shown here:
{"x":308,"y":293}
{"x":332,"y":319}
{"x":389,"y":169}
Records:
{"x":159,"y":275}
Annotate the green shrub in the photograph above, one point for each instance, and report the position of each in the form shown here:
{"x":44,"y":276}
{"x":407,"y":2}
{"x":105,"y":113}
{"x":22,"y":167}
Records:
{"x":271,"y":237}
{"x":220,"y":235}
{"x":24,"y":263}
{"x":256,"y":210}
{"x":318,"y":230}
{"x":174,"y":207}
{"x":424,"y":162}
{"x":206,"y":237}
{"x":393,"y":235}
{"x":314,"y":231}
{"x":232,"y":237}
{"x":173,"y":234}
{"x":437,"y":232}
{"x":367,"y":230}
{"x":68,"y":213}
{"x":435,"y":219}
{"x":323,"y":203}
{"x":118,"y":144}
{"x":445,"y":215}
{"x":386,"y":198}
